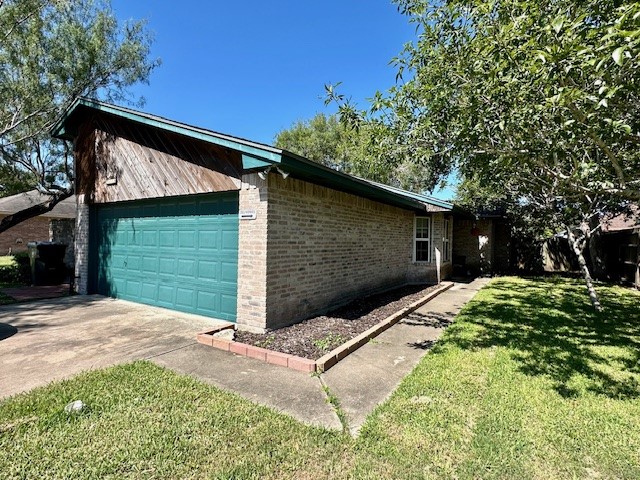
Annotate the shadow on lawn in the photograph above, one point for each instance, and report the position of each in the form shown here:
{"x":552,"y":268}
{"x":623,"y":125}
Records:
{"x":552,"y":330}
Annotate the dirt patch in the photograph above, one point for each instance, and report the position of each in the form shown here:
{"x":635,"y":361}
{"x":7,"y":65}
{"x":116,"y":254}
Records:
{"x":317,"y":336}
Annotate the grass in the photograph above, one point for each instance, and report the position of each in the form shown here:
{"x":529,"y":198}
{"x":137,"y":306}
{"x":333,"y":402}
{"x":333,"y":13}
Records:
{"x":528,"y":383}
{"x":146,"y":422}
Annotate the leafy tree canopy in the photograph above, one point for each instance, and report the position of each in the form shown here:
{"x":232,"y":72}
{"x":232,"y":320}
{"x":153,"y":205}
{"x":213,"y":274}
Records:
{"x":360,"y":150}
{"x":52,"y":52}
{"x":536,"y":102}
{"x":323,"y":139}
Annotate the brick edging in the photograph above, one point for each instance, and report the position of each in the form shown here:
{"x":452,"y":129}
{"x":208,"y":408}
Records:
{"x":325,"y":362}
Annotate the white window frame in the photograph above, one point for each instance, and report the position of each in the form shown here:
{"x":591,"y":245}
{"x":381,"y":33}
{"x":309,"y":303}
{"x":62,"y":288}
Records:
{"x":426,"y":240}
{"x":446,"y":240}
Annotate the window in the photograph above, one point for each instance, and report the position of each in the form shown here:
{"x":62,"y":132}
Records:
{"x":422,"y":240}
{"x":446,"y":244}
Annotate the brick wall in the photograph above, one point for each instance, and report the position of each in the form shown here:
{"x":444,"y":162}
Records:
{"x":252,"y":255}
{"x":477,"y":249}
{"x":61,"y":230}
{"x":327,"y":247}
{"x":16,"y":238}
{"x":81,"y":246}
{"x":311,"y":248}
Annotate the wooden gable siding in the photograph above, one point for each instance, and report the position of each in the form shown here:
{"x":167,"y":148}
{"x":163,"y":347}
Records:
{"x":119,"y":160}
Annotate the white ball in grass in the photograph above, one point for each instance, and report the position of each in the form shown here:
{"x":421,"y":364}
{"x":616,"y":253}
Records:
{"x":75,"y":406}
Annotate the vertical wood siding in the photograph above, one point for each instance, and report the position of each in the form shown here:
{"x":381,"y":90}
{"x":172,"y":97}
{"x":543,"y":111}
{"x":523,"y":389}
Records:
{"x":143,"y":162}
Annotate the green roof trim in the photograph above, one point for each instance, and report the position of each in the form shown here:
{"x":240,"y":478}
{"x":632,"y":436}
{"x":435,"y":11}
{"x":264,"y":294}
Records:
{"x":255,"y":156}
{"x":253,"y":163}
{"x":61,"y":130}
{"x":305,"y":169}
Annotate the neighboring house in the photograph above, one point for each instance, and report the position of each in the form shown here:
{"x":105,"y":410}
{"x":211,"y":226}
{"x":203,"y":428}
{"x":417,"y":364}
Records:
{"x":193,"y":220}
{"x":621,"y":245}
{"x":57,"y":225}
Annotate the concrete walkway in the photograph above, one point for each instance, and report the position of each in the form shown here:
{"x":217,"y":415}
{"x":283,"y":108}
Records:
{"x":368,"y":376}
{"x":360,"y":382}
{"x":49,"y":340}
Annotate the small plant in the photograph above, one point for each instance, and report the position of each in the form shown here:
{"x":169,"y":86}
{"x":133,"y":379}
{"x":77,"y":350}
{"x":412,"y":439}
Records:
{"x":266,"y":343}
{"x":329,"y":341}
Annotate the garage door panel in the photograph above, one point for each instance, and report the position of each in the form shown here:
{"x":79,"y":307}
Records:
{"x":229,"y":239}
{"x":176,"y":253}
{"x":149,"y":292}
{"x":166,"y":295}
{"x":167,"y":265}
{"x":150,"y":238}
{"x":228,"y":305}
{"x":209,"y":302}
{"x":186,"y":239}
{"x":167,"y":238}
{"x":228,"y":273}
{"x":208,"y":269}
{"x":185,"y":297}
{"x":150,"y":264}
{"x":186,"y":268}
{"x":208,"y":239}
{"x":133,"y":288}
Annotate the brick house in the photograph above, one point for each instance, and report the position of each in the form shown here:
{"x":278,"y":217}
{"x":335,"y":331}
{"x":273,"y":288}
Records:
{"x":483,"y":244}
{"x":621,"y":247}
{"x":189,"y":219}
{"x":57,"y":225}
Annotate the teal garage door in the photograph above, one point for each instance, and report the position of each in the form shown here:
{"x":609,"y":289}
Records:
{"x":180,"y":253}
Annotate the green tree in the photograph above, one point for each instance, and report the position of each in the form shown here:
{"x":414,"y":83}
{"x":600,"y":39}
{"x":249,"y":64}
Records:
{"x":535,"y":101}
{"x":323,"y":139}
{"x":51,"y":53}
{"x":359,"y":150}
{"x":14,"y":180}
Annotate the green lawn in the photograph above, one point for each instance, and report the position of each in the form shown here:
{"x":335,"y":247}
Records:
{"x":528,"y":383}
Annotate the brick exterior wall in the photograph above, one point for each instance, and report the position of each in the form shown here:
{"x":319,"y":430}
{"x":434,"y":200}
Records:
{"x":327,"y":247}
{"x":61,"y":230}
{"x":311,"y":248}
{"x":16,"y":238}
{"x":252,"y":255}
{"x":81,"y":247}
{"x":477,"y":249}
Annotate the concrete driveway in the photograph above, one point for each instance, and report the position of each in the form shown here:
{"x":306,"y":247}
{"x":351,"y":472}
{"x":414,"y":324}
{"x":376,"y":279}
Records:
{"x":53,"y":339}
{"x":49,"y":340}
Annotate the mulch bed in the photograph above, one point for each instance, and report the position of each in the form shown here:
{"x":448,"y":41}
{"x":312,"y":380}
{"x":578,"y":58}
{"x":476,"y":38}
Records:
{"x":317,"y":336}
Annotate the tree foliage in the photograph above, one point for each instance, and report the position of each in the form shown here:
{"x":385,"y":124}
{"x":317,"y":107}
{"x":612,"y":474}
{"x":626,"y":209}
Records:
{"x":323,"y":139}
{"x":359,"y":150}
{"x":14,"y":180}
{"x":535,"y":101}
{"x":51,"y":53}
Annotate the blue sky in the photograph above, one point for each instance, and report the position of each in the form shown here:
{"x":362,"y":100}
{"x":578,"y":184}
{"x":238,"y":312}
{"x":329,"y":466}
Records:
{"x":253,"y":68}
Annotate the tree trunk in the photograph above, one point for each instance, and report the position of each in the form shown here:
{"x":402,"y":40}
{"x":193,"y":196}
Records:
{"x":577,"y":248}
{"x":19,"y":217}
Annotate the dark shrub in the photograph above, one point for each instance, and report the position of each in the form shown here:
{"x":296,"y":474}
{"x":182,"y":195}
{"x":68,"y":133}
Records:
{"x":19,"y":272}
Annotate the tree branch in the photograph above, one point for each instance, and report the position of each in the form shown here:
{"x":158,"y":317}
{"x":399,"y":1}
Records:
{"x":18,"y":217}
